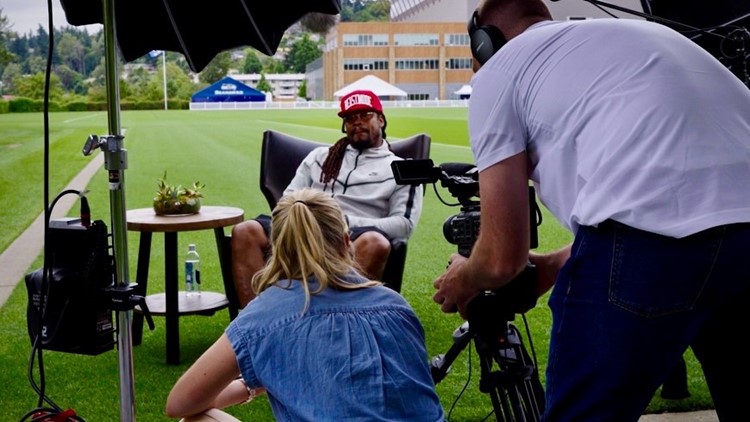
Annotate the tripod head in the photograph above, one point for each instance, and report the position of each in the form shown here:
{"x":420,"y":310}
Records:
{"x":489,"y":313}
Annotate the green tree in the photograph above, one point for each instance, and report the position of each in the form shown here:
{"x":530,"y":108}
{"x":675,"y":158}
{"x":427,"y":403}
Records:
{"x":303,"y":89}
{"x":70,"y":79}
{"x":365,"y":10}
{"x":378,"y":10}
{"x":33,"y":86}
{"x":138,"y":76}
{"x":126,"y":91}
{"x":272,"y":65}
{"x":98,"y":75}
{"x":97,"y":89}
{"x":179,"y":85}
{"x":11,"y":72}
{"x":36,"y":64}
{"x":263,"y":84}
{"x":40,"y":44}
{"x":19,"y":47}
{"x":71,"y":52}
{"x":5,"y":38}
{"x":252,"y":62}
{"x":301,"y":53}
{"x":97,"y":93}
{"x":216,"y":69}
{"x":94,"y":54}
{"x":153,"y":91}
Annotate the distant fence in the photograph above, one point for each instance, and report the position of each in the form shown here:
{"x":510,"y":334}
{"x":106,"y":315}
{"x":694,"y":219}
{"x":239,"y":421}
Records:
{"x":303,"y":105}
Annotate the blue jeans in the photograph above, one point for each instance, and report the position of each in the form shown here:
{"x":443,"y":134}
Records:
{"x":629,"y":303}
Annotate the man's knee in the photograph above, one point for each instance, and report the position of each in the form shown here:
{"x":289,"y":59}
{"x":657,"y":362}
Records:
{"x":248,"y":233}
{"x":372,"y":244}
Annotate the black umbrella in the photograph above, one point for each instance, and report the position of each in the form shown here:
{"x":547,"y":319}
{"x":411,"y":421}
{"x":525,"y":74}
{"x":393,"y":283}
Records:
{"x":199,"y":30}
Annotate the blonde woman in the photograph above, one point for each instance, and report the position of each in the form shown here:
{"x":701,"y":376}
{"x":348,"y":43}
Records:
{"x":322,"y":341}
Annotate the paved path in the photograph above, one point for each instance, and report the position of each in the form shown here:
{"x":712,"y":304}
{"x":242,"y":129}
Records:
{"x":16,"y":260}
{"x":699,"y":416}
{"x":18,"y":257}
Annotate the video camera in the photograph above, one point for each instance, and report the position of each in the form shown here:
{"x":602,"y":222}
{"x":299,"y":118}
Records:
{"x":462,"y":229}
{"x":462,"y":181}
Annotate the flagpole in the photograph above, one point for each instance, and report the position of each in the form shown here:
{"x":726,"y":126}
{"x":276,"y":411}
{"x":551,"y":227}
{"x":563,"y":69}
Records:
{"x":164,"y":70}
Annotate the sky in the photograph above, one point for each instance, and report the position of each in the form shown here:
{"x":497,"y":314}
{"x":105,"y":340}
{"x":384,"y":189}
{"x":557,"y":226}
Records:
{"x":27,"y":15}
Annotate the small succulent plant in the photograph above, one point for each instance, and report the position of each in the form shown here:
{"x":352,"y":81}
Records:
{"x":171,"y":199}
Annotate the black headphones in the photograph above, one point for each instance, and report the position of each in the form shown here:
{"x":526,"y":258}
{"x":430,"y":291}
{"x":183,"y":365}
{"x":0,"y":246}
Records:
{"x":485,"y":39}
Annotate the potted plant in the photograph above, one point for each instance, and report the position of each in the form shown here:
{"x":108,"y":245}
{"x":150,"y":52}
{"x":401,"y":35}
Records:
{"x":177,"y":200}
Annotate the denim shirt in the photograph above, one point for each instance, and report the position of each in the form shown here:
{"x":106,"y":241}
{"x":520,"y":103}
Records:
{"x":354,"y":355}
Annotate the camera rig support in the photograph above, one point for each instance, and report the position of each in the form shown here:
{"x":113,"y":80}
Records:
{"x":514,"y":387}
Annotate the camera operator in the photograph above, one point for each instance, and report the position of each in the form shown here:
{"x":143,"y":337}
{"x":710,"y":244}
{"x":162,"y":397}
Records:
{"x":638,"y":141}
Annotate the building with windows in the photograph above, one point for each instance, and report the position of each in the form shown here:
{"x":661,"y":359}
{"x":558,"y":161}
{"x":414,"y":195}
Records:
{"x":424,"y":50}
{"x":284,"y":86}
{"x":428,"y":60}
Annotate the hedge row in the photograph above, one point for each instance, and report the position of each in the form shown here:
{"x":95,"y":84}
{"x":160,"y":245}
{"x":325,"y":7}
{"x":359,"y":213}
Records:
{"x":27,"y":105}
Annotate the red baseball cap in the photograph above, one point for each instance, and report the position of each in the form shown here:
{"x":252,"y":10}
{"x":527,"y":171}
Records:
{"x":360,"y":100}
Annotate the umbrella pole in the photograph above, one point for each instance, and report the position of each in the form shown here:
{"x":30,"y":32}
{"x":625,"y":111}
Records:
{"x":115,"y":160}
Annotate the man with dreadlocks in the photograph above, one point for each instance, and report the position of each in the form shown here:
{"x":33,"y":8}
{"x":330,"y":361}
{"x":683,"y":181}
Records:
{"x":356,"y":171}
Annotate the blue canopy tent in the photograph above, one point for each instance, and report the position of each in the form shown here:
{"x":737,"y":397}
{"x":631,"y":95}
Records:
{"x":227,"y":90}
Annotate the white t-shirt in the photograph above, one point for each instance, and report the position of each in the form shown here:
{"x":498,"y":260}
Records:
{"x":621,"y":119}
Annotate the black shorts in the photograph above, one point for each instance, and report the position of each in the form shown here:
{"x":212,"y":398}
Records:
{"x":354,"y":232}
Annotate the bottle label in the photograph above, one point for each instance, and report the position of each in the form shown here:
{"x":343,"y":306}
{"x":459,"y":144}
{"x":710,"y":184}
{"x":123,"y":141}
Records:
{"x":197,"y":276}
{"x":189,"y":272}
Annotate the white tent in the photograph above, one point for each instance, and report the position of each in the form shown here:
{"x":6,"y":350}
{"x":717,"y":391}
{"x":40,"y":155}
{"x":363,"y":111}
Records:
{"x":380,"y":87}
{"x":465,"y":90}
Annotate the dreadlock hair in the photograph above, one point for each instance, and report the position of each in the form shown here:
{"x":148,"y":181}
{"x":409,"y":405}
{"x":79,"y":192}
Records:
{"x":309,"y":240}
{"x":332,"y":164}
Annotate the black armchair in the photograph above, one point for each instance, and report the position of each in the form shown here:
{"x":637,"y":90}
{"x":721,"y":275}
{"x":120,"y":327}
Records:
{"x":281,"y":154}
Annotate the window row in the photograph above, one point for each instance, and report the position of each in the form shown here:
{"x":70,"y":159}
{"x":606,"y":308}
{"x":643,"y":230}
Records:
{"x":417,"y":64}
{"x":403,"y":40}
{"x":365,"y":64}
{"x":405,"y":64}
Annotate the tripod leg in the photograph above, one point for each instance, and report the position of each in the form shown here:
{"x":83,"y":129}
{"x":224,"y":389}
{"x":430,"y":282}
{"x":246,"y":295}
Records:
{"x":501,"y":385}
{"x":532,"y":390}
{"x":491,"y":384}
{"x":515,"y":389}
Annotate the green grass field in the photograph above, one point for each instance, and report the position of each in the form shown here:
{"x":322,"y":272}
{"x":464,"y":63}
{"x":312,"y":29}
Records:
{"x":221,"y":149}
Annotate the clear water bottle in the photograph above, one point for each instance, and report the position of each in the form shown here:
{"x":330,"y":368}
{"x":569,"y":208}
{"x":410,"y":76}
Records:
{"x":192,"y":272}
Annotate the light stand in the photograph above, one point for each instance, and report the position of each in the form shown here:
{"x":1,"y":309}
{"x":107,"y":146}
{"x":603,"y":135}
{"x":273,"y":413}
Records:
{"x":115,"y":161}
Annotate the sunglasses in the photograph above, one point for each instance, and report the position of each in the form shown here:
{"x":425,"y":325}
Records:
{"x":364,"y":116}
